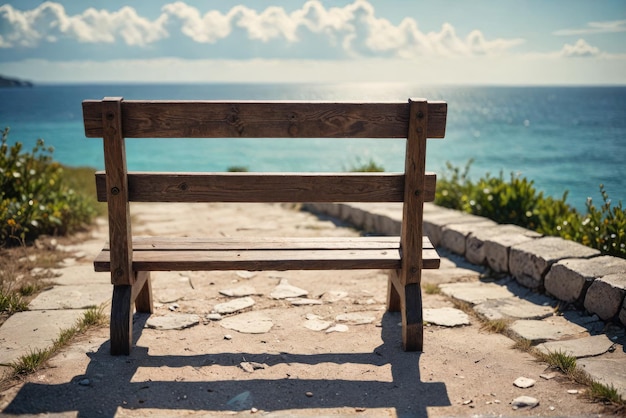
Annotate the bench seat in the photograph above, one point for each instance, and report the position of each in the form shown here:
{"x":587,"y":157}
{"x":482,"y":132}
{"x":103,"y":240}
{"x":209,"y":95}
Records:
{"x":305,"y":253}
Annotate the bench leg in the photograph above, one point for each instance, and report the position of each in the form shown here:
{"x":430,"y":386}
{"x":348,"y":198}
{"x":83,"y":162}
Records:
{"x":412,"y":319}
{"x":121,"y":328}
{"x":393,"y":297}
{"x":143,"y":300}
{"x":408,"y":300}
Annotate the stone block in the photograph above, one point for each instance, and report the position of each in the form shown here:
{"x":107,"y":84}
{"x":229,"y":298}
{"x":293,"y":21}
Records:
{"x":569,"y":279}
{"x":435,"y":220}
{"x":454,"y":236}
{"x":491,"y":245}
{"x":529,"y":261}
{"x":605,"y":296}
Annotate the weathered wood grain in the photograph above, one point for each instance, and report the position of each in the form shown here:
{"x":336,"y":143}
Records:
{"x":265,"y":187}
{"x":130,"y":260}
{"x":213,"y":119}
{"x":250,"y":253}
{"x":117,"y":192}
{"x":141,"y":243}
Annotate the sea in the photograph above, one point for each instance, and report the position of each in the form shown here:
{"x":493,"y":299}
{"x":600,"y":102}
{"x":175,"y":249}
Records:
{"x":565,"y":139}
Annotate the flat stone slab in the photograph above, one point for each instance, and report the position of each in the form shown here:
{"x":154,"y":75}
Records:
{"x":568,"y":278}
{"x":606,"y":371}
{"x":72,"y":297}
{"x":170,"y":286}
{"x":304,"y":301}
{"x":316,"y":323}
{"x":475,"y":292}
{"x":80,"y":274}
{"x":594,"y":345}
{"x":173,"y":321}
{"x":284,"y":290}
{"x":513,"y":307}
{"x":446,"y":317}
{"x":248,"y":323}
{"x":529,"y":261}
{"x":28,"y":331}
{"x":234,"y":305}
{"x":552,"y":329}
{"x":239,"y":291}
{"x":450,"y":275}
{"x":356,"y":318}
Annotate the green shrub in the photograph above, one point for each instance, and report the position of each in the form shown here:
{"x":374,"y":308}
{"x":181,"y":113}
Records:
{"x":237,"y":169}
{"x":368,"y":167}
{"x":35,"y":197}
{"x":518,"y":202}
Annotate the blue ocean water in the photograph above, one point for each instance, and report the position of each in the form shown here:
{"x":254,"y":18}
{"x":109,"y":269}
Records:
{"x":563,"y":138}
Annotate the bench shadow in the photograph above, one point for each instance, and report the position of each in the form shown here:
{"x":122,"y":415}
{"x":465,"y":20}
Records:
{"x":111,"y":388}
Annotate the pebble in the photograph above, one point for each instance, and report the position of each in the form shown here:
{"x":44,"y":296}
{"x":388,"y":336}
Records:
{"x":316,"y":324}
{"x":524,"y":401}
{"x":309,"y":394}
{"x":228,"y":337}
{"x":173,"y":307}
{"x":245,"y":274}
{"x":239,"y":291}
{"x":247,"y":367}
{"x":84,"y":382}
{"x":572,"y":391}
{"x":524,"y":382}
{"x":355,"y":318}
{"x":173,"y":321}
{"x":334,"y":295}
{"x":304,"y":301}
{"x":548,"y":376}
{"x":338,"y":328}
{"x":213,"y":317}
{"x":234,"y":305}
{"x":284,"y":290}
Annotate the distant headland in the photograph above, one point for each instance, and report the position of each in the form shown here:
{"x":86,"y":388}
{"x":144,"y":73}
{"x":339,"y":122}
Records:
{"x":14,"y":82}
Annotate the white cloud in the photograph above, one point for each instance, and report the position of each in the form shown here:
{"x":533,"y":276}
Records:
{"x":350,"y":31}
{"x":612,"y":26}
{"x":49,"y":22}
{"x":580,"y":49}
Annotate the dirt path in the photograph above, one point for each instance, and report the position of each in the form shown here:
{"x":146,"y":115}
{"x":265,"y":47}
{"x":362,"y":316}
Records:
{"x":293,"y":370}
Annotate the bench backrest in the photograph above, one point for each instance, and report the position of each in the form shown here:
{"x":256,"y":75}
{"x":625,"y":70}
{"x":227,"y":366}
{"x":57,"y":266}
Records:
{"x":115,"y":119}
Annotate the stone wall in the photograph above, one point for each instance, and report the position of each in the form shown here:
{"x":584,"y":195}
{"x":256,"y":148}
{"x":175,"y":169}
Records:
{"x":566,"y":270}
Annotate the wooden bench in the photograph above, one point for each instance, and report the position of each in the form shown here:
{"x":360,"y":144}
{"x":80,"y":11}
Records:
{"x":130,"y":259}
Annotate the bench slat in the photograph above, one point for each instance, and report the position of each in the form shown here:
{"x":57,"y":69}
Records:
{"x":272,"y":187}
{"x":164,"y":253}
{"x":212,"y":119}
{"x":267,"y":243}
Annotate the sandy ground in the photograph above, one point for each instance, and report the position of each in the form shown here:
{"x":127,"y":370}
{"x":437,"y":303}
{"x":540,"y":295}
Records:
{"x":463,"y":371}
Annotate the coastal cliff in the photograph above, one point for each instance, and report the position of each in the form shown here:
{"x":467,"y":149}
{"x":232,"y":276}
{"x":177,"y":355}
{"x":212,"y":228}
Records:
{"x":14,"y":82}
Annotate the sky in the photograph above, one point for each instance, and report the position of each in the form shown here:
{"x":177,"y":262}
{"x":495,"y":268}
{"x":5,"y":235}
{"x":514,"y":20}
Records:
{"x":478,"y":42}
